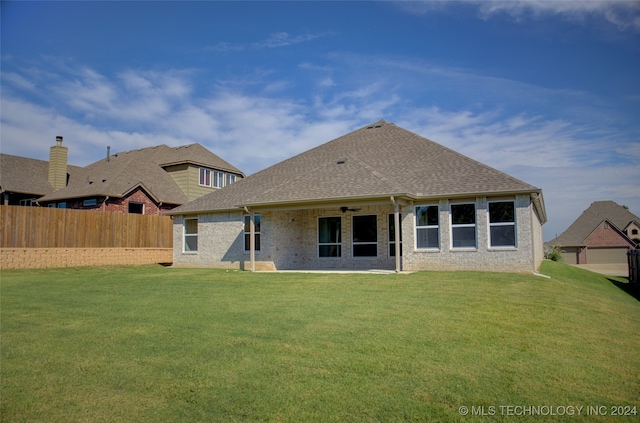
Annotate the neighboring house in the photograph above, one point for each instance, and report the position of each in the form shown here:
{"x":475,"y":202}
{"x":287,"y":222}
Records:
{"x":23,"y":181}
{"x":602,"y":234}
{"x":358,"y":201}
{"x":146,"y":181}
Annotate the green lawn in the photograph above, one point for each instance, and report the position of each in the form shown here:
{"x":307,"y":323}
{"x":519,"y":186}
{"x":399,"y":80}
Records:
{"x":160,"y":344}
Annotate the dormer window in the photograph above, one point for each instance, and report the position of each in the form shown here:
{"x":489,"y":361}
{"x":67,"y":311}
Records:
{"x":205,"y":177}
{"x":215,"y":179}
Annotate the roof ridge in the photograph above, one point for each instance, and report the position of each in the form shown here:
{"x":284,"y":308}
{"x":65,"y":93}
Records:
{"x":299,"y":175}
{"x":384,"y":178}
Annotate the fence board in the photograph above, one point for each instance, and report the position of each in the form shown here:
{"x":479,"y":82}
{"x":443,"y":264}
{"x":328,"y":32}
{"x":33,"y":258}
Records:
{"x":634,"y":266}
{"x":39,"y":227}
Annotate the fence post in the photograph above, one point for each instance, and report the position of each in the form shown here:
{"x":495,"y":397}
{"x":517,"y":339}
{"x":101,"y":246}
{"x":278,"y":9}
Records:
{"x":634,"y":265}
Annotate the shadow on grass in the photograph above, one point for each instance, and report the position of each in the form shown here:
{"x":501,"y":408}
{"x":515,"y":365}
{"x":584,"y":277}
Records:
{"x":629,"y":288}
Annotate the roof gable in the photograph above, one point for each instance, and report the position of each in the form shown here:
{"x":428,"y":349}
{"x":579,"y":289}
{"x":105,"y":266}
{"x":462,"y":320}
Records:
{"x":607,"y":234}
{"x":576,"y":234}
{"x":380,"y":159}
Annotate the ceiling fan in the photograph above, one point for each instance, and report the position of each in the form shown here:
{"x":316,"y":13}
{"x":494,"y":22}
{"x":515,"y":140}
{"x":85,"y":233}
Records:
{"x":346,"y":209}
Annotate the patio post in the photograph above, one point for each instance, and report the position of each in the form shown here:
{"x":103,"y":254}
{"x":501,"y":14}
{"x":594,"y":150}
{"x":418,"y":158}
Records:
{"x":396,"y":222}
{"x":252,"y":240}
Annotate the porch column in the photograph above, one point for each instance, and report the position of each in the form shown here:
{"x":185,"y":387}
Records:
{"x":396,"y":222}
{"x":252,"y":241}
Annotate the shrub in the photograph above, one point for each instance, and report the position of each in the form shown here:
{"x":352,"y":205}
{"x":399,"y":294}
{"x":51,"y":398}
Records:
{"x":554,"y":253}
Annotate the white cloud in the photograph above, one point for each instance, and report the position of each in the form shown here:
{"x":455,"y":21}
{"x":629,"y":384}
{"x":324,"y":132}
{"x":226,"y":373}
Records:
{"x":275,"y":40}
{"x":283,"y":39}
{"x":572,"y":168}
{"x":624,"y":15}
{"x":567,"y":158}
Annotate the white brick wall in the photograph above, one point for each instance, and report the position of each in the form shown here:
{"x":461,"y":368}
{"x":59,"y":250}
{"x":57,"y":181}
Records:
{"x":519,"y":259}
{"x":220,"y":241}
{"x":289,"y":241}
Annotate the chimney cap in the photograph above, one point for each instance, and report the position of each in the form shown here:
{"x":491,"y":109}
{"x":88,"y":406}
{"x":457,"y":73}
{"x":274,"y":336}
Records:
{"x":59,"y":139}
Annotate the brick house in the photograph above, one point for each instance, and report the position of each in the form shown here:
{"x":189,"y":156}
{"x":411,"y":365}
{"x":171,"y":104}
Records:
{"x":23,"y":180}
{"x":146,"y":181}
{"x":602,"y":234}
{"x":380,"y":197}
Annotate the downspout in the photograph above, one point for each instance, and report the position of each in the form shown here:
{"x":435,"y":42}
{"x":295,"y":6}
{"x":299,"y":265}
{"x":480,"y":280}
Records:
{"x":252,"y":240}
{"x":104,"y":204}
{"x":396,"y":223}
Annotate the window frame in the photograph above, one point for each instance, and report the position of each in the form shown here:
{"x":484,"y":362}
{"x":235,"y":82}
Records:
{"x":205,"y":174}
{"x":417,"y":227}
{"x":392,"y":238}
{"x":338,"y":244}
{"x":217,"y":181}
{"x":473,"y":225}
{"x":246,"y":232}
{"x":137,"y":203}
{"x":499,"y":224}
{"x":185,"y":234}
{"x":355,"y":243}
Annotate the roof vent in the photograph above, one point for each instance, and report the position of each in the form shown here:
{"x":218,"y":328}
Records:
{"x":342,"y":160}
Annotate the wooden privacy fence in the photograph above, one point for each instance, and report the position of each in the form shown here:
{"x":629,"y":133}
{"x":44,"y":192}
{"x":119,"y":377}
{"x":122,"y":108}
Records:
{"x":39,"y":227}
{"x":634,"y":266}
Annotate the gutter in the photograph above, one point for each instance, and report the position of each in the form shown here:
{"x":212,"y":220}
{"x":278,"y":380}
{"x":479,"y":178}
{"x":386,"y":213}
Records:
{"x":378,"y":198}
{"x":536,"y":197}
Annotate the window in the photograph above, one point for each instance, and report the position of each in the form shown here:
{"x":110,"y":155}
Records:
{"x":634,"y":232}
{"x":52,"y":205}
{"x":136,"y":208}
{"x":365,"y":236}
{"x":463,"y":226}
{"x":502,"y":224}
{"x":90,"y":202}
{"x":427,"y":227}
{"x":218,"y":179}
{"x":392,"y":236}
{"x":62,"y":205}
{"x":330,"y":237}
{"x":191,"y":235}
{"x":247,"y":232}
{"x":215,"y":179}
{"x":205,"y":177}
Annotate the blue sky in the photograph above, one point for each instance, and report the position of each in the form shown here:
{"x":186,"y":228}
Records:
{"x":547,"y":91}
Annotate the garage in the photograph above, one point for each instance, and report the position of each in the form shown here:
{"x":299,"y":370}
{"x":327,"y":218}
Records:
{"x":612,"y":255}
{"x":569,"y":255}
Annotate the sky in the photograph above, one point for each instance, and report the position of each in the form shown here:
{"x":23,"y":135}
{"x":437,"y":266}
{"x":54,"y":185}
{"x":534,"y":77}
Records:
{"x":546,"y":91}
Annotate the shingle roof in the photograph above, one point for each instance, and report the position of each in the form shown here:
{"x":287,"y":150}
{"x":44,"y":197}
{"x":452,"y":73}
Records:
{"x":127,"y":170}
{"x":380,"y":159}
{"x":27,"y":176}
{"x":589,"y":220}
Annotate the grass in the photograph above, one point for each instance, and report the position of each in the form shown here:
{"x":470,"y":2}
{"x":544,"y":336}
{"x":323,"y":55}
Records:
{"x":161,"y":344}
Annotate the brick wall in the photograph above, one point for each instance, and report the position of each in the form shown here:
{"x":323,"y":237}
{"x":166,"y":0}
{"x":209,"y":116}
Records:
{"x":606,"y":236}
{"x":289,"y":240}
{"x":122,"y":204}
{"x":220,"y":241}
{"x":521,"y":258}
{"x":39,"y":258}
